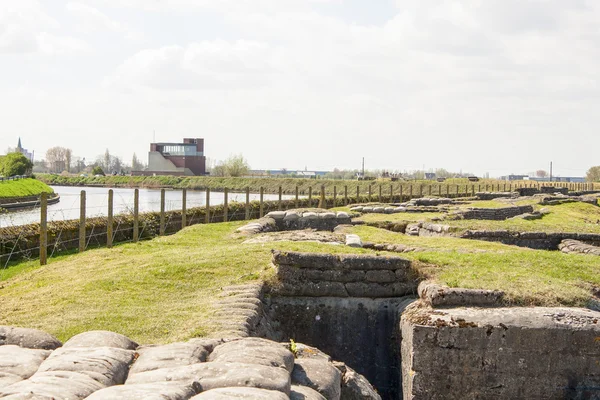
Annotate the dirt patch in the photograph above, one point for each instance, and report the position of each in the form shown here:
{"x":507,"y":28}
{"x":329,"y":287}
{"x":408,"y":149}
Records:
{"x":306,"y":235}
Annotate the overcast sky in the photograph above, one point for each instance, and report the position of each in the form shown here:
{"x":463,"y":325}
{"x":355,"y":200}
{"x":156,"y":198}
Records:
{"x":498,"y":86}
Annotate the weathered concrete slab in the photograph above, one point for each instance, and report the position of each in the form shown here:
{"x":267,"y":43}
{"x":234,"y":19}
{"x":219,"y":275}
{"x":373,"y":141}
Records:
{"x":29,"y":338}
{"x":106,"y":365}
{"x":101,"y":339}
{"x":508,"y":353}
{"x":240,"y":393}
{"x":318,"y":375}
{"x":169,"y":355}
{"x":99,"y":365}
{"x":150,"y":391}
{"x":215,"y":375}
{"x":18,"y":363}
{"x":254,"y":351}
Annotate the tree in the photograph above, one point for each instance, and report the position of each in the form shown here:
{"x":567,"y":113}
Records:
{"x":540,"y":173}
{"x":106,"y":164}
{"x":97,"y":170}
{"x":68,"y":158}
{"x":15,"y":164}
{"x":236,"y":165}
{"x":57,"y":158}
{"x":116,"y":165}
{"x":593,"y":174}
{"x":136,"y":165}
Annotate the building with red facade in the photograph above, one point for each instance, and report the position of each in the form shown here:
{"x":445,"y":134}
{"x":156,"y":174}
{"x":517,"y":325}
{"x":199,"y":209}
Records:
{"x":179,"y":159}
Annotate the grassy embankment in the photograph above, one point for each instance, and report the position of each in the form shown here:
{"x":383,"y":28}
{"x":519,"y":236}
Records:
{"x":271,"y":185}
{"x":570,"y":217}
{"x":22,"y":188}
{"x":163,"y":290}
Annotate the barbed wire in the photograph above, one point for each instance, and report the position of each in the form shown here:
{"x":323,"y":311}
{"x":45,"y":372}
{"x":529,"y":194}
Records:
{"x":19,"y":231}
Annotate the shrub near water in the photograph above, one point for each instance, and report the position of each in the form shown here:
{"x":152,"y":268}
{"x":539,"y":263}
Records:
{"x":23,"y":188}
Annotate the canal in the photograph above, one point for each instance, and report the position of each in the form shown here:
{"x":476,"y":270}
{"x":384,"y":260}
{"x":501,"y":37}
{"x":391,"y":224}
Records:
{"x":97,"y":203}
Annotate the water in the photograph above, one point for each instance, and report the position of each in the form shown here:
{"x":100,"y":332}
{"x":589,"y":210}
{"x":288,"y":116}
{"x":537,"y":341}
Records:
{"x":97,"y":203}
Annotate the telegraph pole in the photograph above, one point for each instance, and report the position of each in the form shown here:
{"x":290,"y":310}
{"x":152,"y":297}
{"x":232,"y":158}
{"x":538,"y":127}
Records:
{"x":550,"y":171}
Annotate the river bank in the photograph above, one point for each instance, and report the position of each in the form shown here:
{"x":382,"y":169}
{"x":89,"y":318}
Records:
{"x":288,"y":185}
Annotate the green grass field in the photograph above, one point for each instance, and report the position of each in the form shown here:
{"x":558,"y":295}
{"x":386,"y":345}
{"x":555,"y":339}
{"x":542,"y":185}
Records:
{"x":23,"y":188}
{"x":569,"y":217}
{"x":154,"y":291}
{"x":271,"y":185}
{"x":162,"y":290}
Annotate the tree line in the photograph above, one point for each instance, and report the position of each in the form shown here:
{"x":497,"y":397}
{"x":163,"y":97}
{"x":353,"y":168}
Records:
{"x":61,"y":159}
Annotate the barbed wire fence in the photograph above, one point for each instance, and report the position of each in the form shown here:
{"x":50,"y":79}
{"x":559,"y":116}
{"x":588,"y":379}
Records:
{"x":115,"y":216}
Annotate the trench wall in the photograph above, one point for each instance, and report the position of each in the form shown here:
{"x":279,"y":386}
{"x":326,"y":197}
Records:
{"x":533,"y":240}
{"x":349,"y":305}
{"x":496,"y":214}
{"x":501,"y":353}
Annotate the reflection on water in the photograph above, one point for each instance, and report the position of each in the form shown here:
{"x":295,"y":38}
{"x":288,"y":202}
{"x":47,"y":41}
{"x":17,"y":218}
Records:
{"x":97,"y":203}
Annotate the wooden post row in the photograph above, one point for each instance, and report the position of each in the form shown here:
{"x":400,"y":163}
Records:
{"x":43,"y":229}
{"x":262,"y":205}
{"x":82,"y":221}
{"x":207,"y":209}
{"x":183,"y":208}
{"x":109,"y":225}
{"x":225,"y":205}
{"x":279,"y":203}
{"x":136,"y":215}
{"x":161,"y":229}
{"x":248,"y":203}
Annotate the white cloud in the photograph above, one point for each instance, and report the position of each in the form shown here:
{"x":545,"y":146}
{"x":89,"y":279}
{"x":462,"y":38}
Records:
{"x":25,"y":27}
{"x":90,"y":19}
{"x":204,"y":65}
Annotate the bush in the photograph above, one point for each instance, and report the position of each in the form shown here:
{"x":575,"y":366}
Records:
{"x":97,"y":170}
{"x":15,"y":164}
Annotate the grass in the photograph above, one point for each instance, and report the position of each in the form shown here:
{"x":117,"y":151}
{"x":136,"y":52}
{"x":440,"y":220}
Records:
{"x":155,"y":291}
{"x":162,"y":290}
{"x":528,"y":277}
{"x":569,"y":217}
{"x":270,"y":185}
{"x":23,"y":188}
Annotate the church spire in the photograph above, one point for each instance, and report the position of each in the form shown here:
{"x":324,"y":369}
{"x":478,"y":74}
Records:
{"x":19,"y":145}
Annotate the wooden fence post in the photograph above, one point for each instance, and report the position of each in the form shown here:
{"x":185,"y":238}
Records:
{"x":411,"y":192}
{"x":357,"y":193}
{"x":109,"y":223}
{"x":380,"y":194}
{"x":82,"y":221}
{"x":322,"y":201}
{"x":248,"y":202}
{"x":207,"y":209}
{"x":391,"y":192}
{"x":401,"y":193}
{"x":447,"y":190}
{"x":296,"y":204}
{"x":334,"y":196}
{"x":183,"y":208}
{"x":310,"y":196}
{"x":262,"y":204}
{"x":279,"y":203}
{"x":430,"y":189}
{"x":136,"y":215}
{"x":225,"y":205}
{"x":345,"y":195}
{"x":44,"y":229}
{"x":161,"y":229}
{"x":370,"y":192}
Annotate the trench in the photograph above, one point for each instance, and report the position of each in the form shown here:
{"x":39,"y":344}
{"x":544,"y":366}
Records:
{"x":361,"y":332}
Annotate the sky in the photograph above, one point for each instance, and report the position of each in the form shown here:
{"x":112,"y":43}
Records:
{"x":485,"y":86}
